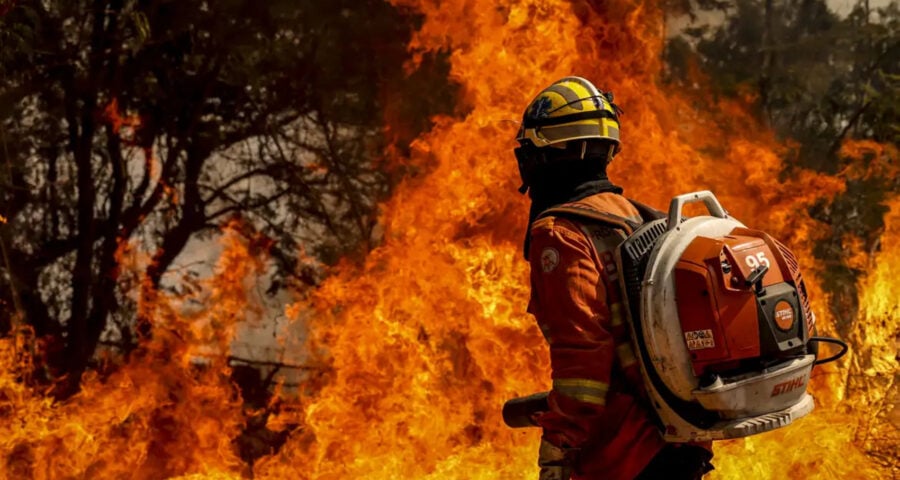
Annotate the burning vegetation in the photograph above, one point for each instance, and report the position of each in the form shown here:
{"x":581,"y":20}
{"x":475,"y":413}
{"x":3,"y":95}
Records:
{"x":418,"y":342}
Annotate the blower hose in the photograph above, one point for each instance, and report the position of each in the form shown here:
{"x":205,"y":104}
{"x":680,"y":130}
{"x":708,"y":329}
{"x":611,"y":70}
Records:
{"x":833,"y":341}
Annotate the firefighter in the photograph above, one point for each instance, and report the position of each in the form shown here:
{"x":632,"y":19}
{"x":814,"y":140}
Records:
{"x":598,"y":425}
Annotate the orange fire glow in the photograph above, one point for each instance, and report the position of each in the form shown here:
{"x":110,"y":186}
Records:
{"x":429,"y":337}
{"x":162,"y":414}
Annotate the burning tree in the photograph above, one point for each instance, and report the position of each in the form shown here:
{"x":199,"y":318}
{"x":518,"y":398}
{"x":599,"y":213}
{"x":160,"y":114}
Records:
{"x":155,"y":122}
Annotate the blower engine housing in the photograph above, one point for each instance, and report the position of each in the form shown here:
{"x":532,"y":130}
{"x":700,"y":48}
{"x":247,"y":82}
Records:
{"x":721,"y":323}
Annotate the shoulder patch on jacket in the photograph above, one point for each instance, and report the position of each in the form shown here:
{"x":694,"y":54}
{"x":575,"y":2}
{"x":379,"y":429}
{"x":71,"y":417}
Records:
{"x":549,"y":259}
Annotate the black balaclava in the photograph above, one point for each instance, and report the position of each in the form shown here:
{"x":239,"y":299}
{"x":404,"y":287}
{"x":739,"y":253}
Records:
{"x":562,"y":181}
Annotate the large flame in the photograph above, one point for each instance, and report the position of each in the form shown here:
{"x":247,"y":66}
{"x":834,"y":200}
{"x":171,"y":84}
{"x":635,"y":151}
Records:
{"x":170,"y":410}
{"x":429,"y":337}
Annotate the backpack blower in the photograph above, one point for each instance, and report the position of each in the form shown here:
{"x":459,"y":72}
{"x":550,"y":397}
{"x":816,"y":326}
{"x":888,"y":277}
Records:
{"x":721,"y":324}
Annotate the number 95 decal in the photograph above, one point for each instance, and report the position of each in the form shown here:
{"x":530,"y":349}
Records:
{"x":754,"y":261}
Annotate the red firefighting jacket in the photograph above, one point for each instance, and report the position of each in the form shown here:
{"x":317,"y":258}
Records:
{"x":595,"y":402}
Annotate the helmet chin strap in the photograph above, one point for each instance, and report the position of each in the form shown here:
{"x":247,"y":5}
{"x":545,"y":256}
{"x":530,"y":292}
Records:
{"x":523,"y":189}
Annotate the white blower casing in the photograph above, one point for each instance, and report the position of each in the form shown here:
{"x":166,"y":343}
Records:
{"x":734,"y":394}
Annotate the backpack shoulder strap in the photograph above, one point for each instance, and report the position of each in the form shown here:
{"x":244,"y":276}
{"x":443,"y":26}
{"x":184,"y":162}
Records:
{"x":648,"y":213}
{"x":577,"y":213}
{"x":580,"y":214}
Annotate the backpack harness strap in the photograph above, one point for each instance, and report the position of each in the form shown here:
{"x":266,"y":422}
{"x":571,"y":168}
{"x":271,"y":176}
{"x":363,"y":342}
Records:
{"x":580,"y":213}
{"x":647,"y":213}
{"x":576,"y":212}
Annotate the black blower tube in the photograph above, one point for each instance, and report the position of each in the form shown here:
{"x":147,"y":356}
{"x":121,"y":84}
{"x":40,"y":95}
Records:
{"x":521,"y":412}
{"x":833,"y":341}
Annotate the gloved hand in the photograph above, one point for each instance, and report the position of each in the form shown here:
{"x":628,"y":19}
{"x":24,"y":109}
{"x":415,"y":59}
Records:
{"x":555,"y":473}
{"x":553,"y":462}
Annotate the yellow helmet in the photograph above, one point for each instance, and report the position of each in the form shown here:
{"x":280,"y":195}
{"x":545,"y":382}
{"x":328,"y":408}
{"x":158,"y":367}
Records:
{"x":570,"y":109}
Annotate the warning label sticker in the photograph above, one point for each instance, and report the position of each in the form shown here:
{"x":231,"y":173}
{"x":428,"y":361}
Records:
{"x":699,"y":339}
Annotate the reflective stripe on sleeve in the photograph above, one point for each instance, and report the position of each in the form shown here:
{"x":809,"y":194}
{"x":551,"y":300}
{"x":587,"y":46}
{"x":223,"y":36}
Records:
{"x":626,"y":355}
{"x":583,"y":389}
